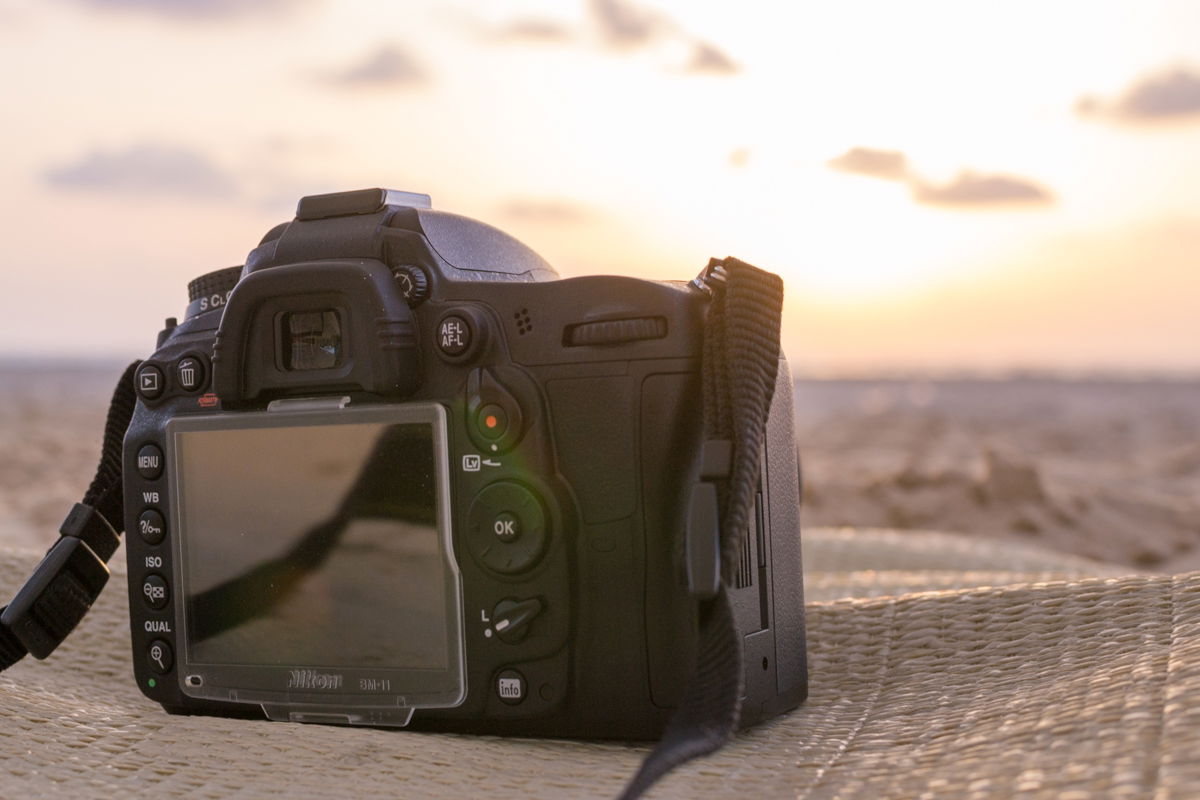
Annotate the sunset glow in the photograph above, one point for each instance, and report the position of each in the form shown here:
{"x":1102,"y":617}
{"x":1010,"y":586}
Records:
{"x":942,"y":185}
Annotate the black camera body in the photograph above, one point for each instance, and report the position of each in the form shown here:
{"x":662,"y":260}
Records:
{"x":393,"y":471}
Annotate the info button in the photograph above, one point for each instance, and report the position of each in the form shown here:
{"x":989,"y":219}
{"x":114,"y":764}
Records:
{"x":510,"y":687}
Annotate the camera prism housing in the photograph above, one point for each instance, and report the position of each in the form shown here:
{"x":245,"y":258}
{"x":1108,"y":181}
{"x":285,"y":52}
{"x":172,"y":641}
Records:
{"x":395,"y":471}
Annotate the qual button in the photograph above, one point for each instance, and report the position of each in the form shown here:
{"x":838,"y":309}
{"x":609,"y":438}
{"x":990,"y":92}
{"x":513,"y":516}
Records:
{"x":159,"y":657}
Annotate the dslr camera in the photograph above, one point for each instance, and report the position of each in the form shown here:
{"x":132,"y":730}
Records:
{"x":395,"y":471}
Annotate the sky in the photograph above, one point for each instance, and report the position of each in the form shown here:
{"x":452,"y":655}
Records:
{"x":944,"y":186}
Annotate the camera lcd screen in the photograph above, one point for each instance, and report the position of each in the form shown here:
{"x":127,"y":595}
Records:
{"x":313,"y":546}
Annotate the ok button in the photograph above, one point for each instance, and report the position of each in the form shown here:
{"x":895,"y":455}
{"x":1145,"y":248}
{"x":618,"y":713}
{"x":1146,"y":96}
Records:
{"x":506,"y":526}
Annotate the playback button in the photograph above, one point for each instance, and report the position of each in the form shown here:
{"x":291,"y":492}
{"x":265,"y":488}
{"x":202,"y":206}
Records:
{"x":150,"y":383}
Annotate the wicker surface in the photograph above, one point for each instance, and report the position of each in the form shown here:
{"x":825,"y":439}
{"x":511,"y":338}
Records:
{"x":1072,"y":687}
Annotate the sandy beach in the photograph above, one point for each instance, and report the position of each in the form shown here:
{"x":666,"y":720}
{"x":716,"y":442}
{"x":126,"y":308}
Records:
{"x":1100,"y":468}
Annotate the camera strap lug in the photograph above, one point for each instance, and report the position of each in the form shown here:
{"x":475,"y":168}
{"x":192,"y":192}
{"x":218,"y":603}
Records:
{"x":702,"y":542}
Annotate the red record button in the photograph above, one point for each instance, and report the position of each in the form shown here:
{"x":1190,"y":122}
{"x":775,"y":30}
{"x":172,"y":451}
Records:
{"x":492,"y":421}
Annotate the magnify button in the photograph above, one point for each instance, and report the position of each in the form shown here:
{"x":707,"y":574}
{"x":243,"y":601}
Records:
{"x":159,"y":657}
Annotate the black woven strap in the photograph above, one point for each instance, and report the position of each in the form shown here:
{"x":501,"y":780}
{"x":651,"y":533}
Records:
{"x":73,"y":572}
{"x":740,"y":363}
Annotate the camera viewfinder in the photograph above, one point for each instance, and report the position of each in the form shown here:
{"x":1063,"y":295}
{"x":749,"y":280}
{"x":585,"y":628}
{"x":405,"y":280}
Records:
{"x":312,"y":340}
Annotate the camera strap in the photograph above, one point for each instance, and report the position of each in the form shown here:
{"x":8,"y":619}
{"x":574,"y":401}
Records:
{"x":75,"y":569}
{"x":739,"y":366}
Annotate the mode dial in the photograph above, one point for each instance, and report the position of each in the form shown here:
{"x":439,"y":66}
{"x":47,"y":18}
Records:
{"x":211,"y":289}
{"x":217,"y":282}
{"x":413,"y":283}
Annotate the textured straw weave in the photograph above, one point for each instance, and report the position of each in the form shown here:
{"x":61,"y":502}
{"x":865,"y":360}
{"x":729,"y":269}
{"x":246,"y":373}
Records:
{"x":1078,"y":687}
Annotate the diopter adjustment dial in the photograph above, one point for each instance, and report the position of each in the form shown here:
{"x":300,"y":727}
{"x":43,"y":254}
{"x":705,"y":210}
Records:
{"x":413,"y":283}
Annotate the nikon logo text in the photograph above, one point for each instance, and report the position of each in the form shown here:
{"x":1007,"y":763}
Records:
{"x":311,"y":679}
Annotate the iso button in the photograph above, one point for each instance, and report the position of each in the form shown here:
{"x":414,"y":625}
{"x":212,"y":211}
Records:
{"x":155,"y":592}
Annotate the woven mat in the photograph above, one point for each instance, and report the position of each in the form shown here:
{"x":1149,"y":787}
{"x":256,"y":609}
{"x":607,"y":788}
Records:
{"x":1059,"y":681}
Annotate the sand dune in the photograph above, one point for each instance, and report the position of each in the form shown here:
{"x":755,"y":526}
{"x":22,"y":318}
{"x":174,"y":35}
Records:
{"x":1108,"y":470}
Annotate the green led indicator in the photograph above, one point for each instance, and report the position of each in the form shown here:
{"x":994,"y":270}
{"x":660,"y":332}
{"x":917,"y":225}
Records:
{"x":152,"y":683}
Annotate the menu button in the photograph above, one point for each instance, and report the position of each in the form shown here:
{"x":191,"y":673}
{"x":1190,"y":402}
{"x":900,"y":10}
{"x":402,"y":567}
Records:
{"x":150,"y":462}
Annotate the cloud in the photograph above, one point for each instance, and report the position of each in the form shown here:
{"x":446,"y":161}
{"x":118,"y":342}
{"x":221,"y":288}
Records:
{"x":531,"y":29}
{"x":387,"y":67}
{"x":707,"y":57}
{"x":889,"y":164}
{"x":973,"y":189}
{"x":145,"y":169}
{"x":968,"y":189}
{"x":1169,"y":95}
{"x":623,"y":24}
{"x":542,"y":210}
{"x":188,"y":10}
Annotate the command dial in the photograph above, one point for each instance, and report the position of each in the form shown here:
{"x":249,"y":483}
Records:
{"x":413,"y":283}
